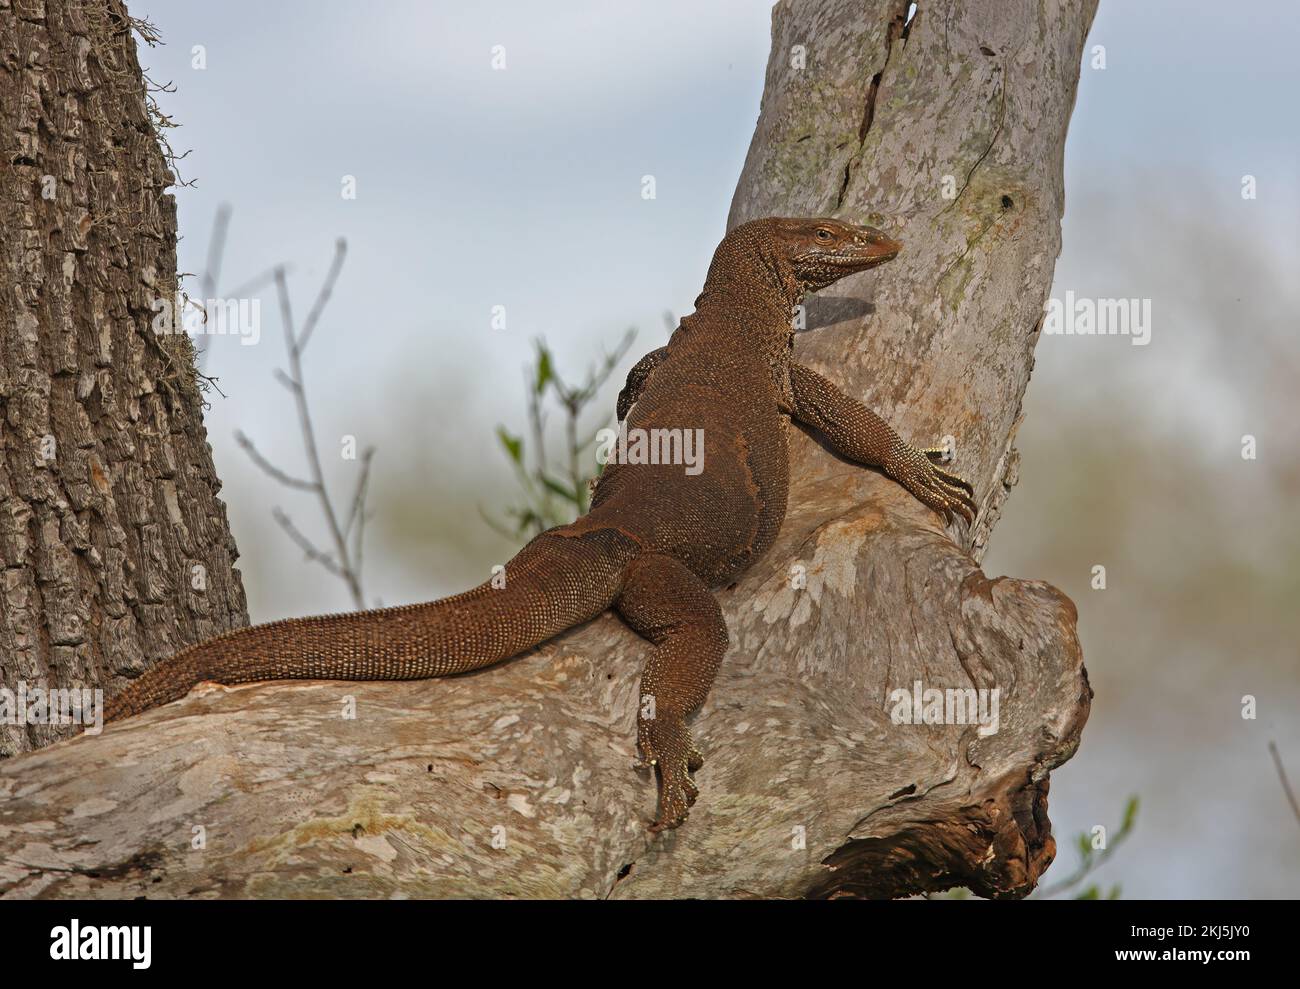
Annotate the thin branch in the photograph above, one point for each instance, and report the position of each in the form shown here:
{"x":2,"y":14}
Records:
{"x":255,"y":284}
{"x":210,"y":282}
{"x":496,"y":526}
{"x":286,"y":309}
{"x":288,"y":481}
{"x":146,"y":29}
{"x":211,"y":382}
{"x":537,"y":422}
{"x":346,"y":560}
{"x":216,"y":252}
{"x":1090,"y":862}
{"x":1286,"y":784}
{"x":312,"y":553}
{"x":295,"y":343}
{"x":322,"y":297}
{"x":576,"y":480}
{"x":357,"y":515}
{"x":359,"y":497}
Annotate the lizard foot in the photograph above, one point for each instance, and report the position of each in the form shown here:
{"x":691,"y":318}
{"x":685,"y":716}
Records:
{"x":665,"y":743}
{"x":944,"y":492}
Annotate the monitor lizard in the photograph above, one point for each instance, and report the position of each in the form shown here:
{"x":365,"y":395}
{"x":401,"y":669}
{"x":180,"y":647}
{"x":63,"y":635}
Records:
{"x":657,"y":538}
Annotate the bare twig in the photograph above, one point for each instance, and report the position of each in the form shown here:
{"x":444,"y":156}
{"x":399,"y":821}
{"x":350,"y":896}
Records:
{"x":295,"y":342}
{"x":145,"y":29}
{"x":305,"y":544}
{"x":209,"y":382}
{"x":1286,"y":784}
{"x":253,"y":454}
{"x":216,"y":251}
{"x":537,"y":422}
{"x":357,"y":516}
{"x":210,"y":282}
{"x":162,"y":123}
{"x":211,"y":274}
{"x":357,"y":512}
{"x":256,"y":283}
{"x":327,"y":287}
{"x":346,"y":558}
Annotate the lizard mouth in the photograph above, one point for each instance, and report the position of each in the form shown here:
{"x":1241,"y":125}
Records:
{"x":875,"y":259}
{"x":865,"y":252}
{"x":869,"y":258}
{"x":882,"y":249}
{"x":869,"y":253}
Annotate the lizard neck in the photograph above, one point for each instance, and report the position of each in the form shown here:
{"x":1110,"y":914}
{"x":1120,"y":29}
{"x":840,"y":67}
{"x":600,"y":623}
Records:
{"x":748,"y":299}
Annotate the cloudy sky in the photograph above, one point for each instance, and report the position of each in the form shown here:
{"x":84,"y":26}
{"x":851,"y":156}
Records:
{"x":521,"y":188}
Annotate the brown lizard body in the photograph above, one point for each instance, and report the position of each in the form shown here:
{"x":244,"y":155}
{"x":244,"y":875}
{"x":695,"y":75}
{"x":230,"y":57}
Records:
{"x":657,"y":537}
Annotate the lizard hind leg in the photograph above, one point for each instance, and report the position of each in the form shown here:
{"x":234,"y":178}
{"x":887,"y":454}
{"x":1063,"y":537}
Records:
{"x":666,"y":603}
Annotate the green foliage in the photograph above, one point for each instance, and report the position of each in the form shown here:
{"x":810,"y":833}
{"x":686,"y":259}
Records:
{"x":1091,"y":859}
{"x":514,"y":445}
{"x":555,"y":490}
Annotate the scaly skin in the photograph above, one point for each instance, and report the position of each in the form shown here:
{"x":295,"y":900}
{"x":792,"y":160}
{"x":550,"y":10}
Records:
{"x":657,"y":538}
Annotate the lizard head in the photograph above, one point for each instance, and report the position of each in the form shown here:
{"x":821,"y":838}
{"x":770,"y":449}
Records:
{"x":822,"y":251}
{"x":777,"y":260}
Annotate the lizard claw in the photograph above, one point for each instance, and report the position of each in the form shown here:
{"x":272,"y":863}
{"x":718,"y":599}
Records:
{"x":945,"y":492}
{"x":664,"y":742}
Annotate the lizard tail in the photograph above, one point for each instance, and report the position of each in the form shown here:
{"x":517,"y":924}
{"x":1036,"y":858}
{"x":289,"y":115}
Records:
{"x":555,"y":582}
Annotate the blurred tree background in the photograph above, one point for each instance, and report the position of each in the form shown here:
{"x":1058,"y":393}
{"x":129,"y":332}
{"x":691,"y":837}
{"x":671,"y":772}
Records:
{"x":1132,"y":459}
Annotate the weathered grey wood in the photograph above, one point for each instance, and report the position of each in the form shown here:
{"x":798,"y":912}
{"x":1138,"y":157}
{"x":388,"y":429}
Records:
{"x":114,"y":547}
{"x":809,"y":788}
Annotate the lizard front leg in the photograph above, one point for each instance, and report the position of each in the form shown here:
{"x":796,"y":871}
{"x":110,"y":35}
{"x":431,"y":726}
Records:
{"x":859,"y":434}
{"x":673,"y":608}
{"x":636,"y":379}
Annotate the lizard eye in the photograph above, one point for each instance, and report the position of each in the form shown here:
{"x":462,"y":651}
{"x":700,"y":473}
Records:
{"x":824,"y":235}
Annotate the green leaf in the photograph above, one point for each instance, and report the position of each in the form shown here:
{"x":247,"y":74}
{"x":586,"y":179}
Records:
{"x":1130,"y":814}
{"x":528,"y":520}
{"x":514,"y":445}
{"x":545,"y":368}
{"x":560,"y":489}
{"x":1091,"y":893}
{"x":1085,"y":844}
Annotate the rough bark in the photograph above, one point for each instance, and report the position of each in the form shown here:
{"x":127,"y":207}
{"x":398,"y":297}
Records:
{"x":516,"y":781}
{"x":114,"y":548}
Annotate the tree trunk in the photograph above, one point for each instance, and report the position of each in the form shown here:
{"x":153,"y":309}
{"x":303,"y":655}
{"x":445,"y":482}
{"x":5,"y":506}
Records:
{"x":516,"y":781}
{"x":114,"y":548}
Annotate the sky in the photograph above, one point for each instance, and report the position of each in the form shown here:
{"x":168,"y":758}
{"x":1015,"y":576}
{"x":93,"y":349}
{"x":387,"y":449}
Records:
{"x":479,"y":188}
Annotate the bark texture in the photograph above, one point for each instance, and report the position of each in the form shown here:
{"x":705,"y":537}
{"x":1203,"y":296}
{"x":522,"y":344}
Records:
{"x":114,"y":547}
{"x":516,"y":781}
